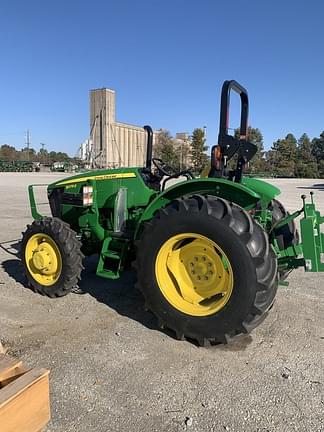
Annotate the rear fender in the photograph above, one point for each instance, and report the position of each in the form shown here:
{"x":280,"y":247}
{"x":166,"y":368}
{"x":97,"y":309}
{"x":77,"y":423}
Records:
{"x":234,"y":192}
{"x":265,"y":190}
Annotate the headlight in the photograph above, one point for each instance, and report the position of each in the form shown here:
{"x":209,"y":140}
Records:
{"x":87,"y":195}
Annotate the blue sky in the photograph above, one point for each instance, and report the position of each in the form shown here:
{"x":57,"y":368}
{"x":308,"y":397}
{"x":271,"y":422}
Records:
{"x":166,"y":59}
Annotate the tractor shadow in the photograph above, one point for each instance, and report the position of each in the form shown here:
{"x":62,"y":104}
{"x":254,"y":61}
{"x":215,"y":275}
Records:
{"x":120,"y":295}
{"x":12,"y":247}
{"x":318,"y":186}
{"x":13,"y":267}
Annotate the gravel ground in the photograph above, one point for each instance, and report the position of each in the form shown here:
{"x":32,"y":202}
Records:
{"x":112,"y":370}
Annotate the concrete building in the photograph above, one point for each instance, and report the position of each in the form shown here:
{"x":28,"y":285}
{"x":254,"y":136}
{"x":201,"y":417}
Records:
{"x":113,"y":144}
{"x":183,"y":141}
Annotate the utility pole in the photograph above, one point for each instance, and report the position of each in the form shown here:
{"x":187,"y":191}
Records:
{"x":43,"y":152}
{"x":27,"y":143}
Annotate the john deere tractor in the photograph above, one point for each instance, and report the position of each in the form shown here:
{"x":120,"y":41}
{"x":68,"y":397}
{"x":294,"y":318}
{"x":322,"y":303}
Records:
{"x":209,"y":252}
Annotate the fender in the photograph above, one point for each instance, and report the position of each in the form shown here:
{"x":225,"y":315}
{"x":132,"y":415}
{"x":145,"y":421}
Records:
{"x":238,"y":193}
{"x":265,"y":190}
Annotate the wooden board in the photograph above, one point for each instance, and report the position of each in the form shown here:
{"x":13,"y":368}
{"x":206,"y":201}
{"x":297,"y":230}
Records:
{"x":7,"y":364}
{"x":2,"y":349}
{"x":10,"y":369}
{"x":24,"y":397}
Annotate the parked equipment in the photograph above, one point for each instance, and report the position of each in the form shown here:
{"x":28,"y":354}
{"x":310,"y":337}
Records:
{"x":60,"y":166}
{"x":209,"y":252}
{"x":16,"y":166}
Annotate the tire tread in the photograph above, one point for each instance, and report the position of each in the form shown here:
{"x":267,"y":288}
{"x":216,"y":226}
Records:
{"x":249,"y":232}
{"x":70,"y":249}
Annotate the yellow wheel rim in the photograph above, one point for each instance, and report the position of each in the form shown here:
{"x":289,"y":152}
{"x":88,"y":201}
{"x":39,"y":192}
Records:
{"x":194,"y":274}
{"x":43,"y":259}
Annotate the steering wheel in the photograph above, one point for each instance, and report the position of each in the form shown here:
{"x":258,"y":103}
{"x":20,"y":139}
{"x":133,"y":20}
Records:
{"x":163,"y":168}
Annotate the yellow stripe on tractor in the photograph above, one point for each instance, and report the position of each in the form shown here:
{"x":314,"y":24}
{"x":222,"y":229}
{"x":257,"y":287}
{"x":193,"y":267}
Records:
{"x":100,"y":177}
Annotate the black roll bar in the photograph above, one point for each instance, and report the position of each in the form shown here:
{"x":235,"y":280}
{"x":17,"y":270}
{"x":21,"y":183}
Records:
{"x":228,"y":86}
{"x":229,"y":145}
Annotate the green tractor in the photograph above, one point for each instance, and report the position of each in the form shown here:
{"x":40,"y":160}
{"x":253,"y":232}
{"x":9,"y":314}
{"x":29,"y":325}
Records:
{"x":209,"y":252}
{"x":60,"y":166}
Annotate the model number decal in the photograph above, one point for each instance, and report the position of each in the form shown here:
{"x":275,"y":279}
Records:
{"x":99,"y":177}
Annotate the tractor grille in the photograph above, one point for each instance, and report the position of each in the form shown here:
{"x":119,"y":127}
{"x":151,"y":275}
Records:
{"x":72,"y":199}
{"x":55,"y":201}
{"x":57,"y":197}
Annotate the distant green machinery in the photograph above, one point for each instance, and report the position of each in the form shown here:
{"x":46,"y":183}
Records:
{"x":16,"y":166}
{"x":64,"y":166}
{"x":209,"y":253}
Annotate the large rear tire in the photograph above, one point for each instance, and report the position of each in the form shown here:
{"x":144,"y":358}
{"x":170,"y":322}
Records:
{"x":287,"y":235}
{"x":206,"y":269}
{"x":51,"y":257}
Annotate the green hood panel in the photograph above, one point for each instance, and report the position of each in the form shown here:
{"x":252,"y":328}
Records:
{"x":107,"y":184}
{"x":104,"y":174}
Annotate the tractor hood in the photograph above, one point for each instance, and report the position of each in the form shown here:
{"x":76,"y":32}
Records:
{"x":103,"y":174}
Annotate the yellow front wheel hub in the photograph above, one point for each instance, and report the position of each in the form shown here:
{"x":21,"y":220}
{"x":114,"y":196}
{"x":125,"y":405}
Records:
{"x":43,"y":259}
{"x":194,"y":274}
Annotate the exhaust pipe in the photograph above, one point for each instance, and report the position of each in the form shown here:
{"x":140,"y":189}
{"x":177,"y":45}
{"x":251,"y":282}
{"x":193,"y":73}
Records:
{"x":149,"y":146}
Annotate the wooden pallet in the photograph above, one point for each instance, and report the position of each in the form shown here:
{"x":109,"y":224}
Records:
{"x":24,"y":397}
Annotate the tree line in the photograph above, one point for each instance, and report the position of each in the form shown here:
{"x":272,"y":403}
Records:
{"x":9,"y":153}
{"x":182,"y":154}
{"x":288,"y":156}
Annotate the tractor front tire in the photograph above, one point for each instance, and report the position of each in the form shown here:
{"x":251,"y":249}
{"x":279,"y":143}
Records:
{"x":51,"y":257}
{"x":206,"y":269}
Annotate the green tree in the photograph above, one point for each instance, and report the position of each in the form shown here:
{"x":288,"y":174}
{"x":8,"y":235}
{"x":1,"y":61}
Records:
{"x":8,"y":153}
{"x":197,"y":150}
{"x":320,"y":167}
{"x":306,"y":165}
{"x":282,"y":156}
{"x":318,"y":147}
{"x":166,"y":149}
{"x":62,"y":157}
{"x":42,"y":156}
{"x":54,"y":156}
{"x":318,"y":153}
{"x":27,"y":154}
